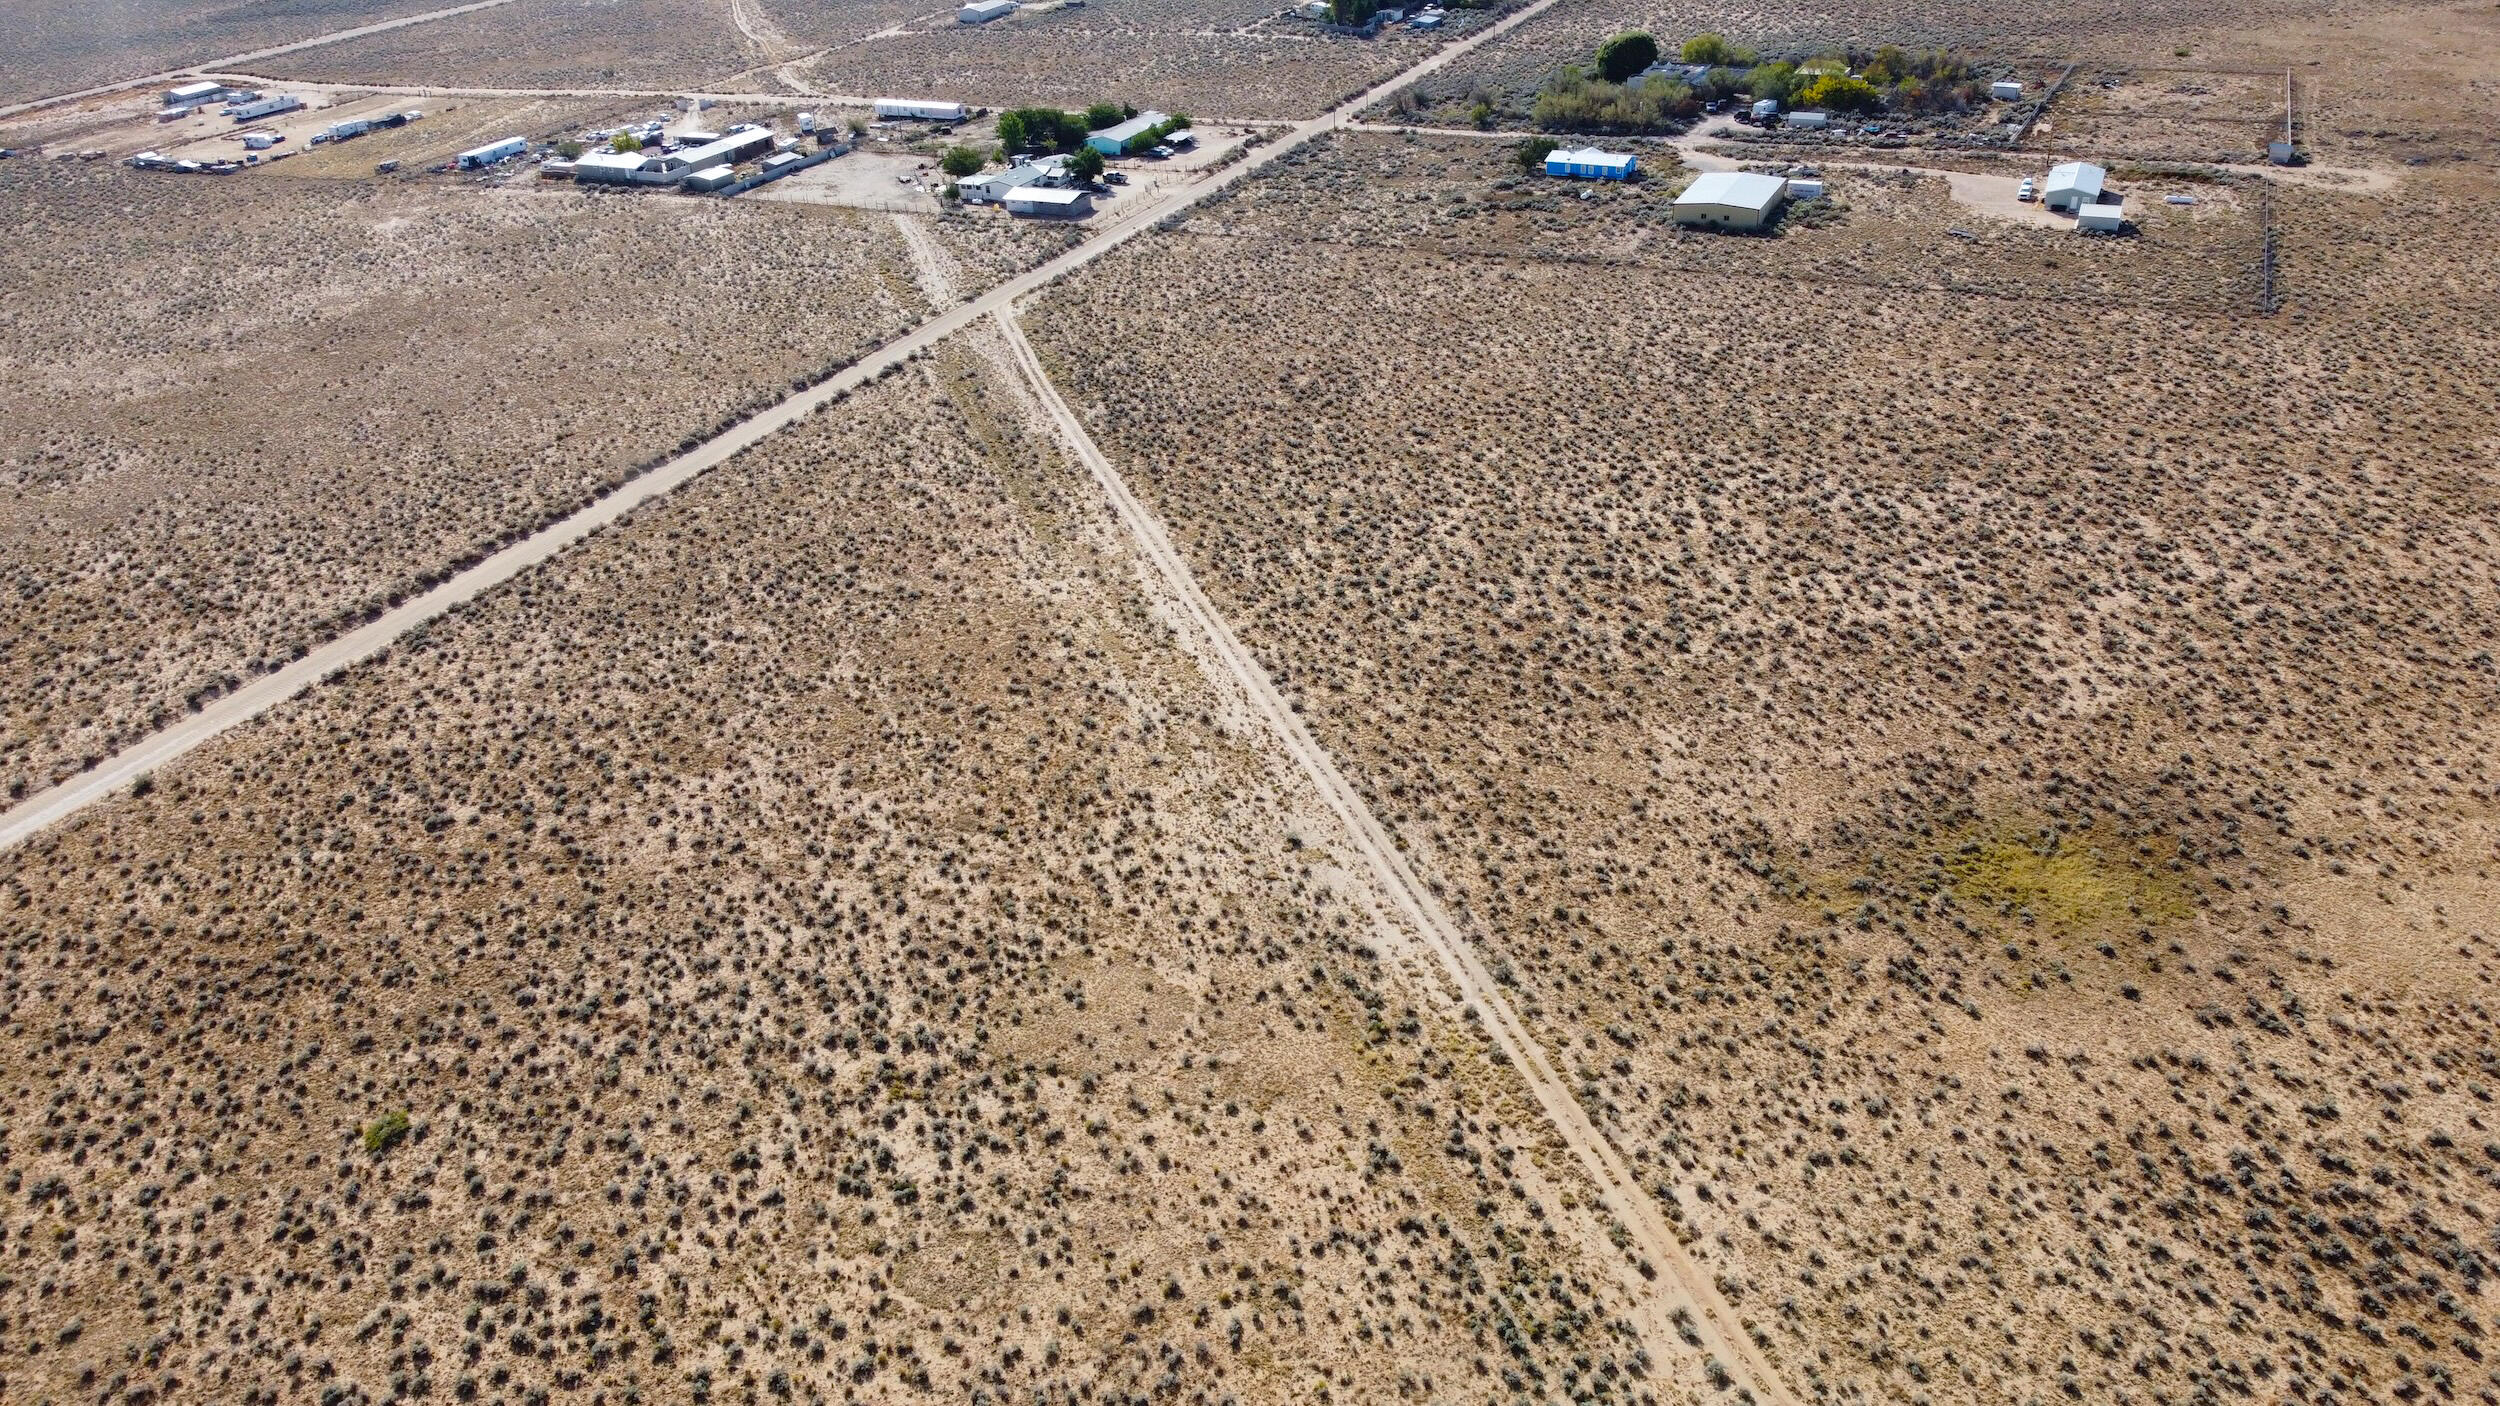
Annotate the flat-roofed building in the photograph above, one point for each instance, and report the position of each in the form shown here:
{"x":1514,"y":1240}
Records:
{"x":1050,"y":202}
{"x":1589,"y":163}
{"x":1730,"y":200}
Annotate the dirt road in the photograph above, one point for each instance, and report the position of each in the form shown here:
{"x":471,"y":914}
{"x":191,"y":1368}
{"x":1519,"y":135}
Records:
{"x":1684,"y":1284}
{"x":255,"y":56}
{"x":48,"y":807}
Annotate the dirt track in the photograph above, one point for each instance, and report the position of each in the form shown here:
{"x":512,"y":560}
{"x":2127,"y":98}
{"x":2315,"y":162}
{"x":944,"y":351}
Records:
{"x":1684,"y":1284}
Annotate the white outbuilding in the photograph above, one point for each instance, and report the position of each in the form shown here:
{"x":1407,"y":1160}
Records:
{"x":2005,"y":90}
{"x":2107,"y":218}
{"x":2073,"y":185}
{"x":1050,"y":202}
{"x":1811,"y":121}
{"x":983,"y":11}
{"x":1730,"y":200}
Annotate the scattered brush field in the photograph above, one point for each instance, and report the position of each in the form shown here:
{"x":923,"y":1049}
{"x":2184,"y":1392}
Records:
{"x":648,"y":44}
{"x":2182,"y":114}
{"x":1237,"y":63}
{"x":1465,"y":197}
{"x":1518,"y":63}
{"x":822,"y":940}
{"x":239,"y":412}
{"x":1991,"y":795}
{"x":59,"y":46}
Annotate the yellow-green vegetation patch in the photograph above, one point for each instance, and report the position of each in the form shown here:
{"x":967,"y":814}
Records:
{"x":2069,"y":882}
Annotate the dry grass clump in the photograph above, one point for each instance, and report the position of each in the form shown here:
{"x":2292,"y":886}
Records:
{"x":1989,"y":793}
{"x":1238,"y":63}
{"x":820,"y":941}
{"x":239,"y":412}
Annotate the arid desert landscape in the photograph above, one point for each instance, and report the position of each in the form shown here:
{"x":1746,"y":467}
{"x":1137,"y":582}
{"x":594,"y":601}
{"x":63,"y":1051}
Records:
{"x":1107,"y":701}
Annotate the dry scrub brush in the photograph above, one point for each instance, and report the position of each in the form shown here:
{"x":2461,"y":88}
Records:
{"x":1994,"y":806}
{"x":238,"y":413}
{"x":1244,"y":63}
{"x":821,"y":940}
{"x":547,"y":44}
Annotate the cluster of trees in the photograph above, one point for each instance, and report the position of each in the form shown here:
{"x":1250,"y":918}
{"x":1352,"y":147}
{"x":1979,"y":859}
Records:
{"x":1891,"y":78}
{"x":1574,"y":101}
{"x":1047,"y":128}
{"x":1353,"y":11}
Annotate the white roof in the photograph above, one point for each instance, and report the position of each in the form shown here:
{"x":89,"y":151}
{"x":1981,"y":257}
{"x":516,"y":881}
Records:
{"x":1043,"y":195}
{"x":1741,"y":190}
{"x":2080,"y":176}
{"x":1134,"y":128}
{"x":2109,"y":216}
{"x":1590,"y":156}
{"x":610,"y":160}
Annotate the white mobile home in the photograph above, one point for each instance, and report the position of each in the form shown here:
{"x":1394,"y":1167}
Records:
{"x":480,"y":157}
{"x":915,"y":110}
{"x":1811,"y":121}
{"x":1730,"y":200}
{"x":983,"y":11}
{"x":1589,"y":163}
{"x":265,"y":107}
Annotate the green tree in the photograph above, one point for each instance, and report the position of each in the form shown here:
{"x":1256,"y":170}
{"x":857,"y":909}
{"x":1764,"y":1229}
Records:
{"x":570,"y":151}
{"x":1710,"y":49}
{"x":1085,"y":164}
{"x":1626,"y":54}
{"x":624,"y":141}
{"x":1532,"y":153}
{"x":1840,"y":94}
{"x":1481,"y":114}
{"x":1102,"y":115}
{"x":1777,"y":81}
{"x":1889,"y":66}
{"x":1352,"y":12}
{"x":960,"y":161}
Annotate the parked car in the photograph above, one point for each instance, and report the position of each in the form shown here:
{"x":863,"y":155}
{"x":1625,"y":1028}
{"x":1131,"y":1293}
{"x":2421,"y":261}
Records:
{"x":1117,"y":178}
{"x":2026,"y":190}
{"x":1161,"y":153}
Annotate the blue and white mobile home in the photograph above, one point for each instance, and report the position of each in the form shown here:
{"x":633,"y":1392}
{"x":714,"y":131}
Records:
{"x":1589,"y":163}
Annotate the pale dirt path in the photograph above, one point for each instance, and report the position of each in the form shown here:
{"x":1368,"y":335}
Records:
{"x":1684,"y":1285}
{"x":932,"y":269}
{"x":237,"y":60}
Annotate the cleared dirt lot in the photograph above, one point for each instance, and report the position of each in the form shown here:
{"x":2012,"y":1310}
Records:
{"x":868,"y":958}
{"x":242,"y":409}
{"x":1989,"y":784}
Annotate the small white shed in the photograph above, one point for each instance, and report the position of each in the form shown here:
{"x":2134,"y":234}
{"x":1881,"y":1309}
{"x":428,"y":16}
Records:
{"x":1811,"y":121}
{"x":2005,"y":90}
{"x":2100,"y":219}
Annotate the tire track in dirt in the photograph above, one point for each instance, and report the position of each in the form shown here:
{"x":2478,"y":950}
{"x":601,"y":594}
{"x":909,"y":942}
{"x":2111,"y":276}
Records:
{"x":1683,"y":1284}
